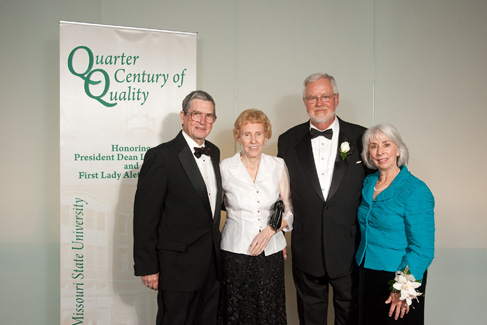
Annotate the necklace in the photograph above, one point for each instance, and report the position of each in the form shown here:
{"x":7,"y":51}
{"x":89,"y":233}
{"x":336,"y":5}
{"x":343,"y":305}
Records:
{"x":380,"y":189}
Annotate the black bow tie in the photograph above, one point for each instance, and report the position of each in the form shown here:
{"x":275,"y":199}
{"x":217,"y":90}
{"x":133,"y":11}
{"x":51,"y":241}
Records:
{"x":202,"y":151}
{"x":316,"y":133}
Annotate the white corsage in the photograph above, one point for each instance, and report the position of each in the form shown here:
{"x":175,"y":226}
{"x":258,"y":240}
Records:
{"x":406,"y":284}
{"x":344,"y":149}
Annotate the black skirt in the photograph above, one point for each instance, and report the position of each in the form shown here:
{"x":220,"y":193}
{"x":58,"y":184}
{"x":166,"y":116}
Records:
{"x":374,"y":291}
{"x":252,"y":289}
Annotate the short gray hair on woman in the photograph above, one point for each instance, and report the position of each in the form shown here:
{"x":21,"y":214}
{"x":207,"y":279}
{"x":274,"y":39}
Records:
{"x":390,"y":132}
{"x":316,"y":76}
{"x":197,"y":94}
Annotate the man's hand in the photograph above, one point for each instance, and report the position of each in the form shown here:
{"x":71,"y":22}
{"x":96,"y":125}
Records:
{"x":151,"y":281}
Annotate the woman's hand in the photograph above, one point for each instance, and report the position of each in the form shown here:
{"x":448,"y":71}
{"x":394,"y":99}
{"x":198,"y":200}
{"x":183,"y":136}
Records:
{"x":261,"y":240}
{"x":284,"y":253}
{"x":398,"y":307}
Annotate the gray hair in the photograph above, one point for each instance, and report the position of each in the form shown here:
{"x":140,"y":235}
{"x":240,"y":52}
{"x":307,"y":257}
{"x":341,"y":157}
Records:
{"x":390,"y":132}
{"x":316,"y":76}
{"x":197,"y":94}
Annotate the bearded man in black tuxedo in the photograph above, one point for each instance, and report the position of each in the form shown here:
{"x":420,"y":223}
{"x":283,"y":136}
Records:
{"x":326,"y":174}
{"x":177,"y":219}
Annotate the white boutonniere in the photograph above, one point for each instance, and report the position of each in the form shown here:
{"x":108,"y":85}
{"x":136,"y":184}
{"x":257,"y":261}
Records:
{"x":406,"y":284}
{"x":344,"y":149}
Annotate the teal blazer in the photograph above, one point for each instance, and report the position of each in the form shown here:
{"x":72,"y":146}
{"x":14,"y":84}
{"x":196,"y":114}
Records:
{"x":398,"y":227}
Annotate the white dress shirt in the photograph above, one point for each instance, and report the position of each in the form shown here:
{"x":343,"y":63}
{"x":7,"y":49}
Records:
{"x":248,"y":203}
{"x":324,"y":153}
{"x":207,"y":172}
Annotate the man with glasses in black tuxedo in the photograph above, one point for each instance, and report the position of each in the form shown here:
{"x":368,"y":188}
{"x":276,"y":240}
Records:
{"x":177,"y":219}
{"x":326,"y":174}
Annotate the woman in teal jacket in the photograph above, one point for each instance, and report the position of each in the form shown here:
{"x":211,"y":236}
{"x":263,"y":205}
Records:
{"x":397,"y":227}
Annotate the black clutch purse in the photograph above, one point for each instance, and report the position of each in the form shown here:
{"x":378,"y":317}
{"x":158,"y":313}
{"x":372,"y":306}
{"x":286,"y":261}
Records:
{"x":275,"y":217}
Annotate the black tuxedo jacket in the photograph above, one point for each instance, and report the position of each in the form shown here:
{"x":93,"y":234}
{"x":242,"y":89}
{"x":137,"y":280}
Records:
{"x":325,"y":233}
{"x":174,"y":230}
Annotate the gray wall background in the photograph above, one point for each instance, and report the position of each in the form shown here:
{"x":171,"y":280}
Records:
{"x":419,"y":64}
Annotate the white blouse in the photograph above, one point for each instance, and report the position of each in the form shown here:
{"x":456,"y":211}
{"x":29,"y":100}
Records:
{"x":248,"y":203}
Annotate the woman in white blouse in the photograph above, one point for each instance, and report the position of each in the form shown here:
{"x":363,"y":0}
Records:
{"x":252,"y":251}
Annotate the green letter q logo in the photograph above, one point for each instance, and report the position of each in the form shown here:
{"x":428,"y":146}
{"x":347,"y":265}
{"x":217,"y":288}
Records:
{"x":87,"y":75}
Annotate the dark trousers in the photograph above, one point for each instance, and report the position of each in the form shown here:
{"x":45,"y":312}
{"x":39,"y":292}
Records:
{"x":188,"y":308}
{"x":312,"y":297}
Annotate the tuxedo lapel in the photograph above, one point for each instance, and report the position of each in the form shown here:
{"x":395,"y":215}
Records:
{"x":215,"y":161}
{"x":305,"y":156}
{"x":340,"y":168}
{"x":341,"y":165}
{"x":192,"y":171}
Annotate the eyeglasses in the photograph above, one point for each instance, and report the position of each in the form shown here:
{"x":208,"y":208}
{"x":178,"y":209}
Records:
{"x":196,"y":116}
{"x":324,"y":98}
